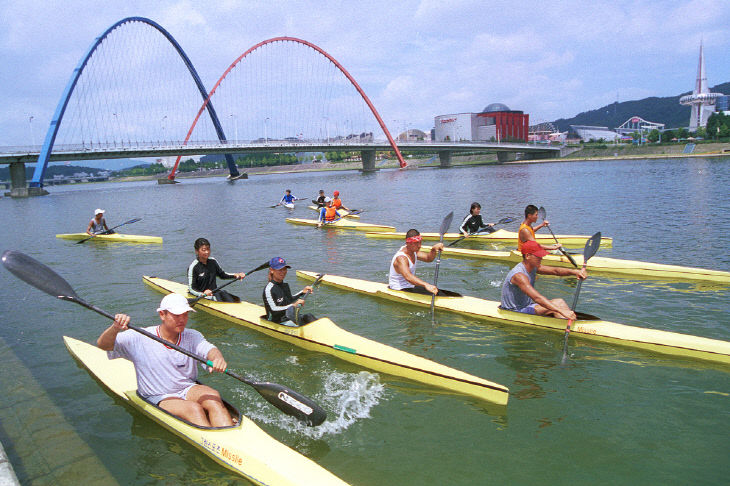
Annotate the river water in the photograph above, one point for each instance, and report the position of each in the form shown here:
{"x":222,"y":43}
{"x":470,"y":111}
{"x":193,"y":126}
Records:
{"x":611,"y":415}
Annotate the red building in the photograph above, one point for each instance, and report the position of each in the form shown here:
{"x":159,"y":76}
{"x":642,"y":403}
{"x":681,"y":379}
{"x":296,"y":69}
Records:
{"x":509,"y":125}
{"x":497,"y":123}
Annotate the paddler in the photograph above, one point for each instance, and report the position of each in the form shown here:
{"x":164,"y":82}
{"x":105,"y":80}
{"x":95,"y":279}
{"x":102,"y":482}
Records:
{"x":402,"y":274}
{"x":328,"y":213}
{"x":320,"y":199}
{"x":98,"y":224}
{"x":278,"y":297}
{"x":166,"y":377}
{"x":202,"y":273}
{"x":473,"y":222}
{"x":527,"y":232}
{"x":518,"y":289}
{"x":288,"y":198}
{"x":337,"y":202}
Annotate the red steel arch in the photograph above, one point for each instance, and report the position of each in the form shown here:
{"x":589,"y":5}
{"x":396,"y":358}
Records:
{"x":334,"y":61}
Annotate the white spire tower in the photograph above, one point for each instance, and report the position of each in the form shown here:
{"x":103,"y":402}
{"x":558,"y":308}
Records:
{"x":700,"y":97}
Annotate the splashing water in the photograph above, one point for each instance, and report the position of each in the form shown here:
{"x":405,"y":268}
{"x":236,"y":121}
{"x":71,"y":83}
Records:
{"x":346,"y":396}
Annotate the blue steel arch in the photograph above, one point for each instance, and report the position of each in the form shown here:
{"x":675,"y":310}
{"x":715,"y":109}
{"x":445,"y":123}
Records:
{"x":45,"y":153}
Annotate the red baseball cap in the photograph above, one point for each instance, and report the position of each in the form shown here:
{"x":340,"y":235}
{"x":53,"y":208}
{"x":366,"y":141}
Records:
{"x":337,"y":193}
{"x":533,"y":248}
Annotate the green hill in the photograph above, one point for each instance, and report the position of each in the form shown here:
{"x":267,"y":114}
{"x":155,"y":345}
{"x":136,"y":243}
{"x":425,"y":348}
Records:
{"x":665,"y":110}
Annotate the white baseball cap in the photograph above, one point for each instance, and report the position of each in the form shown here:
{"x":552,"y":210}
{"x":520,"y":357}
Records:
{"x":175,"y":303}
{"x":98,"y":211}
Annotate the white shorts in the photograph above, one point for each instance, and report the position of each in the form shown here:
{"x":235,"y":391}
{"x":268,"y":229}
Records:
{"x":182,"y":394}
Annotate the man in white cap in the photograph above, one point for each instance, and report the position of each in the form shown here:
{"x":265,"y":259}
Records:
{"x":166,"y":377}
{"x":98,"y":224}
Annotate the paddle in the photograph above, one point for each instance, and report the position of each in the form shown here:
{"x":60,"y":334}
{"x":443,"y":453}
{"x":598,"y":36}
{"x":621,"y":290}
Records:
{"x":45,"y":279}
{"x":501,"y":221}
{"x":444,"y":228}
{"x":292,"y":312}
{"x":109,"y":230}
{"x":590,"y":249}
{"x":541,"y":213}
{"x":192,"y":302}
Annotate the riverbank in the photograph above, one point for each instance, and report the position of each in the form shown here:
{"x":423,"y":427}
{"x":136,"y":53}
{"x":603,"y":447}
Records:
{"x":608,"y":152}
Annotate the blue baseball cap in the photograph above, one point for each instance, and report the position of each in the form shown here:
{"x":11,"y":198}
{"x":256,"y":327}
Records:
{"x":277,"y":263}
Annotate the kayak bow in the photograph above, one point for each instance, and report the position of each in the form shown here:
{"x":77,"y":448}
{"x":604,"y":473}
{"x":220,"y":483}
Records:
{"x":325,"y":336}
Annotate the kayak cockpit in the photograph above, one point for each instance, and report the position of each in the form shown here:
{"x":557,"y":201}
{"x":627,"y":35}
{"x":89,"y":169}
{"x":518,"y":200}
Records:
{"x":233,"y":411}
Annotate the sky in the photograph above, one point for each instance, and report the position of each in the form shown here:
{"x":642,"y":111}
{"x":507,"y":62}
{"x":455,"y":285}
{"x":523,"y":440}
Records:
{"x":414,"y":59}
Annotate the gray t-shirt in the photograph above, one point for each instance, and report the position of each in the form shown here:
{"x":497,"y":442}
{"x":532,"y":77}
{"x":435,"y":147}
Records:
{"x":161,"y":370}
{"x":513,"y":298}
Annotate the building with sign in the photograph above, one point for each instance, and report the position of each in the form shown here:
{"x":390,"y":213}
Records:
{"x":496,"y":123}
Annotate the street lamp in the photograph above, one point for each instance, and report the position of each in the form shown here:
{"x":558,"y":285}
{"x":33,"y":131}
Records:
{"x":162,"y":122}
{"x":327,"y":128}
{"x":30,"y":124}
{"x":235,"y":122}
{"x":266,"y":130}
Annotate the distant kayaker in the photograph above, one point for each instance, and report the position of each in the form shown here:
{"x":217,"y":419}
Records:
{"x":328,"y":213}
{"x":402,"y":274}
{"x":203,"y":271}
{"x":518,"y":289}
{"x":98,"y":224}
{"x":166,"y":377}
{"x":288,"y":198}
{"x":278,"y":297}
{"x":527,"y":232}
{"x":320,"y":199}
{"x":473,"y":222}
{"x":337,"y":202}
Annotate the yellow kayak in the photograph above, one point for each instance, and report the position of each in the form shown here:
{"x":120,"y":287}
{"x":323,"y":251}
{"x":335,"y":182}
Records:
{"x":345,"y":213}
{"x":243,"y":448}
{"x":600,"y":265}
{"x":117,"y":237}
{"x":325,"y":336}
{"x":664,"y":342}
{"x":343,"y":223}
{"x":501,"y":236}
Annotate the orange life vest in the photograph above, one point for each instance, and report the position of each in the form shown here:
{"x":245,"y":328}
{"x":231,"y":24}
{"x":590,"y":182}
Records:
{"x":337,"y":202}
{"x":519,"y":241}
{"x":330,"y":213}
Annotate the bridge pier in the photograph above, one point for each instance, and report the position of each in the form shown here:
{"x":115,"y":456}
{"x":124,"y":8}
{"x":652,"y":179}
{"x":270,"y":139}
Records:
{"x":368,"y":160}
{"x":445,"y":158}
{"x":506,"y":156}
{"x":18,"y":185}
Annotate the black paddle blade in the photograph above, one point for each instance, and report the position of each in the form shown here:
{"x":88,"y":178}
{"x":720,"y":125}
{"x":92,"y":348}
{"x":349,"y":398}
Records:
{"x":541,"y":212}
{"x":33,"y":272}
{"x":291,"y":403}
{"x":446,"y":223}
{"x":592,"y":245}
{"x":291,"y":314}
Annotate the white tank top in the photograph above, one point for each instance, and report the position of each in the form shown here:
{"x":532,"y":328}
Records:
{"x":396,"y":281}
